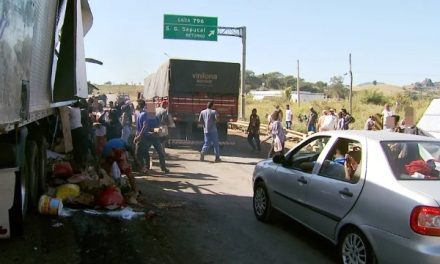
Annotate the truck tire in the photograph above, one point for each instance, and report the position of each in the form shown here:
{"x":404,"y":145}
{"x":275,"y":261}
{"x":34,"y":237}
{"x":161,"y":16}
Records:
{"x":31,"y":177}
{"x":16,"y":215}
{"x":7,"y":155}
{"x":42,"y":166}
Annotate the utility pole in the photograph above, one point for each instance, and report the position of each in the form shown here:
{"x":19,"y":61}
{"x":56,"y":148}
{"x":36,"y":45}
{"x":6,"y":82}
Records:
{"x":297,"y":83}
{"x":351,"y":85}
{"x":241,"y":33}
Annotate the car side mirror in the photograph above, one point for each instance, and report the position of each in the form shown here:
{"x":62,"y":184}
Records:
{"x":279,"y":159}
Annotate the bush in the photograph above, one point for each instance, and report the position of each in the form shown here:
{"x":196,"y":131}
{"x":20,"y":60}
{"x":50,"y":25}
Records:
{"x":373,"y":97}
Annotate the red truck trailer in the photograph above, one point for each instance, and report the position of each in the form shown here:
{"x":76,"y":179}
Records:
{"x":189,"y":85}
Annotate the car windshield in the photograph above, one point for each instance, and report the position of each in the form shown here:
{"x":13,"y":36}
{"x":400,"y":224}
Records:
{"x":411,"y":160}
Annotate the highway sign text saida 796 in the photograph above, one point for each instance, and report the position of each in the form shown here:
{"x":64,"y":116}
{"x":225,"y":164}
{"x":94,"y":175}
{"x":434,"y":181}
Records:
{"x":190,"y":27}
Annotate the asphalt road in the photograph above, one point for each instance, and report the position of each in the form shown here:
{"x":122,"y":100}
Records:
{"x":202,"y":214}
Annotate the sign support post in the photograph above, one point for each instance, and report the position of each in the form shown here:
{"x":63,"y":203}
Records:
{"x":241,"y":33}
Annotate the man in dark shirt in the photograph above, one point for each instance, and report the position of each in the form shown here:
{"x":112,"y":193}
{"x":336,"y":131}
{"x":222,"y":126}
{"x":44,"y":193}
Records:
{"x":311,"y":120}
{"x":254,"y":131}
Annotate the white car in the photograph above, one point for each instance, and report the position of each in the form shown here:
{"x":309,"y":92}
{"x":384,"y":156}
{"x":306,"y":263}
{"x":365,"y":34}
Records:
{"x":375,"y":194}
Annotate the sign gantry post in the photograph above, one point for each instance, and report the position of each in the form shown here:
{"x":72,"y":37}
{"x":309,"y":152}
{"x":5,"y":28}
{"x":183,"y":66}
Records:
{"x":241,"y":33}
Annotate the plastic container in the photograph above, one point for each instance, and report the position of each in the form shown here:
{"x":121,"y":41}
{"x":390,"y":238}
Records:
{"x":49,"y":206}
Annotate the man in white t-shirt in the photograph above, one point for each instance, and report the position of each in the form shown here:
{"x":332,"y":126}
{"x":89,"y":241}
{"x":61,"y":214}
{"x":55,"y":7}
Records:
{"x":78,"y":136}
{"x":288,"y":117}
{"x":387,"y":118}
{"x":330,"y":121}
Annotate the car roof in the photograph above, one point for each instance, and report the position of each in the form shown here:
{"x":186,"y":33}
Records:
{"x":379,"y":135}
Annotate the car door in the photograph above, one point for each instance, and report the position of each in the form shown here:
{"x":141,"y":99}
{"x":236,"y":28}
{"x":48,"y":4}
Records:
{"x":291,"y":179}
{"x":330,"y":196}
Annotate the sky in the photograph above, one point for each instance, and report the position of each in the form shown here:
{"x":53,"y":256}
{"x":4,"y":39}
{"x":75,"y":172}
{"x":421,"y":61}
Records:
{"x":395,"y":42}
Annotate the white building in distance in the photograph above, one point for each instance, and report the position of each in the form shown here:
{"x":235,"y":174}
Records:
{"x":303,"y":95}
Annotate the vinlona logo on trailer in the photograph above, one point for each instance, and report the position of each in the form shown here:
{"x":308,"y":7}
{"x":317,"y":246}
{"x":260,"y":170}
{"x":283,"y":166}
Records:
{"x":204,"y":78}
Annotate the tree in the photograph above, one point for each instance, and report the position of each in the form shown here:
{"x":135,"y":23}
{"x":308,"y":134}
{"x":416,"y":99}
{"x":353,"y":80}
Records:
{"x":322,"y":86}
{"x":337,"y":89}
{"x":289,"y":81}
{"x":274,"y":80}
{"x":374,"y":82}
{"x":108,"y":83}
{"x":252,"y":81}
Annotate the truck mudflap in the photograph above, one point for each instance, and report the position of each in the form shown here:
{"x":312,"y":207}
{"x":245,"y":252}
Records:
{"x":7,"y":188}
{"x":173,"y":142}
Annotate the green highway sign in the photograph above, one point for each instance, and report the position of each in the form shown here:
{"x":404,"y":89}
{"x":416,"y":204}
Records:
{"x":189,"y":27}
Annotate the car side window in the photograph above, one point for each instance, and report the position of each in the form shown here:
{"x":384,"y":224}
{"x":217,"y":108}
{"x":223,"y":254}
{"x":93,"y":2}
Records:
{"x":343,"y":161}
{"x":304,"y":158}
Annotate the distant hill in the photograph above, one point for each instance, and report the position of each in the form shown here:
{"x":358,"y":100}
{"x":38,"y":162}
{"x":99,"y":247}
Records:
{"x":369,"y":83}
{"x":386,"y":89}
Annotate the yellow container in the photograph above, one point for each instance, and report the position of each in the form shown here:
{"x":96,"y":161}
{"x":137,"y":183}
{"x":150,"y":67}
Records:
{"x":49,"y":205}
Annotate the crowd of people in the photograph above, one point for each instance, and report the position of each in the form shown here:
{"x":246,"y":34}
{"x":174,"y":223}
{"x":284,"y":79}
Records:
{"x":103,"y":132}
{"x":329,"y":120}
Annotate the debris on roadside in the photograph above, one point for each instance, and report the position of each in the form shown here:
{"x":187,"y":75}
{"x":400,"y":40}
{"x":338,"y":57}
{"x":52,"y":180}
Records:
{"x":49,"y":206}
{"x":164,"y":205}
{"x":92,"y":191}
{"x":110,"y":198}
{"x":150,"y":214}
{"x":126,"y":213}
{"x":57,"y":224}
{"x":67,"y":192}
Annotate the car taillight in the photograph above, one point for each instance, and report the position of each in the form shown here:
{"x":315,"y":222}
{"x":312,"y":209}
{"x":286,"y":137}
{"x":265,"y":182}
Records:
{"x":425,"y":220}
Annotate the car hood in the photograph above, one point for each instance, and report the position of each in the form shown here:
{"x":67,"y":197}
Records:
{"x":429,"y":188}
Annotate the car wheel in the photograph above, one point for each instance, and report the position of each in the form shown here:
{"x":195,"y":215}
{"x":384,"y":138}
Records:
{"x":355,"y":248}
{"x":261,"y":201}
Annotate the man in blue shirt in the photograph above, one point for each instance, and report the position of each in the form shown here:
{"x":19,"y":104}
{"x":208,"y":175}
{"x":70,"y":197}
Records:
{"x":147,"y":127}
{"x":209,"y":117}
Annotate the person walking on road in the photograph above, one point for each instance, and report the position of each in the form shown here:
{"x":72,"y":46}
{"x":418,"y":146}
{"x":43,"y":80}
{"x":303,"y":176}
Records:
{"x":288,"y":117}
{"x":208,"y":118}
{"x":254,"y":131}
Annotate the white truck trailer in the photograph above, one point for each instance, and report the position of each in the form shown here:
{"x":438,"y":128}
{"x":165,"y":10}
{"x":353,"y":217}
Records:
{"x":42,"y":68}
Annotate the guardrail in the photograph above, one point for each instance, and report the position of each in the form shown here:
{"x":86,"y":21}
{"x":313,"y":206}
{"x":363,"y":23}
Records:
{"x":290,"y":134}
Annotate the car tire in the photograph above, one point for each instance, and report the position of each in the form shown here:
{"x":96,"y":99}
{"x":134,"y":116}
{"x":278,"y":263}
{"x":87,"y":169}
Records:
{"x":261,"y":203}
{"x":355,"y":248}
